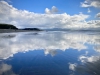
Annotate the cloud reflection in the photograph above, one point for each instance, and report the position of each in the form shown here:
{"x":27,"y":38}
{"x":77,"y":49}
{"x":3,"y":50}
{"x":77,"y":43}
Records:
{"x":89,"y":66}
{"x":47,"y":41}
{"x":5,"y":69}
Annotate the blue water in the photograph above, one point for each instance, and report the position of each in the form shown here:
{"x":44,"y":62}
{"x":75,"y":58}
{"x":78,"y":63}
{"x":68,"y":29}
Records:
{"x":50,"y":53}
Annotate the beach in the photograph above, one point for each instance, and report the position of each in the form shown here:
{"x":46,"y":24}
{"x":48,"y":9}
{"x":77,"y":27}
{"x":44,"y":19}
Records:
{"x":12,"y":30}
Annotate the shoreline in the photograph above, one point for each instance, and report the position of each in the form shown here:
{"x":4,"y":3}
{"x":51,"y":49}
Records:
{"x":13,"y":30}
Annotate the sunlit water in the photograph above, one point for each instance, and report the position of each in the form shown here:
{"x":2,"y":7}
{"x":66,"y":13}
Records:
{"x":50,"y":53}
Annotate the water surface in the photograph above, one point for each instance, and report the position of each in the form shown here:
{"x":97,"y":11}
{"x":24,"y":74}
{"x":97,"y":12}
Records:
{"x":50,"y":53}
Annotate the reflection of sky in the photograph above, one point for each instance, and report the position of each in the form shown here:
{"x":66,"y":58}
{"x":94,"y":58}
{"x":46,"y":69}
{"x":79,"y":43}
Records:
{"x":5,"y":69}
{"x":89,"y":63}
{"x":50,"y":53}
{"x":49,"y":42}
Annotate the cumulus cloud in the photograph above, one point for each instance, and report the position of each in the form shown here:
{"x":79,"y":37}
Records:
{"x":98,"y":15}
{"x":95,"y":22}
{"x":53,"y":10}
{"x":24,"y":18}
{"x":91,"y":3}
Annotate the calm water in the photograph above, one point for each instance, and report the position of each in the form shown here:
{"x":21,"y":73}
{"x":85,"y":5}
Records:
{"x":50,"y":53}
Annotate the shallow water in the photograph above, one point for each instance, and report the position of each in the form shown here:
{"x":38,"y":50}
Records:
{"x":50,"y":53}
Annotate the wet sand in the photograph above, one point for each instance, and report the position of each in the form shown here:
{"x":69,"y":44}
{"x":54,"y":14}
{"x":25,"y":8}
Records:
{"x":12,"y":30}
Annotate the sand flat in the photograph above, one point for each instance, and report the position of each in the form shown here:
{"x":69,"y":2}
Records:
{"x":12,"y":30}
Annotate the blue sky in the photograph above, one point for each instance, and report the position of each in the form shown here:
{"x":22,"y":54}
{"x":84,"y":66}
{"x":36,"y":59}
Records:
{"x":38,"y":6}
{"x":82,"y":10}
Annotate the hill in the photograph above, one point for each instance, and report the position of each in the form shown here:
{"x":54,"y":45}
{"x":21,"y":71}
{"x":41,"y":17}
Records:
{"x":7,"y":26}
{"x":35,"y":29}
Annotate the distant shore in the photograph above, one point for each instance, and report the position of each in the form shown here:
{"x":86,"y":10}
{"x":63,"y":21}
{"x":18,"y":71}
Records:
{"x":14,"y":30}
{"x":8,"y":28}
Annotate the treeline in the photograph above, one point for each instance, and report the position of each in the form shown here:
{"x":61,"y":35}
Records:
{"x":36,"y":29}
{"x":7,"y":26}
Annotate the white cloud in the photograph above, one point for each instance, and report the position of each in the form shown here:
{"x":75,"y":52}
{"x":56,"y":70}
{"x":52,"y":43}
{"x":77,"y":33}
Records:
{"x":94,"y":22}
{"x":53,"y":10}
{"x":85,"y":5}
{"x":98,"y":15}
{"x":91,"y":3}
{"x":47,"y":11}
{"x":89,"y":10}
{"x":24,"y":18}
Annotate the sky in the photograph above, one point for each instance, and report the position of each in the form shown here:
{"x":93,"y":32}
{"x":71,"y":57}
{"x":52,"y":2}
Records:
{"x":51,"y":13}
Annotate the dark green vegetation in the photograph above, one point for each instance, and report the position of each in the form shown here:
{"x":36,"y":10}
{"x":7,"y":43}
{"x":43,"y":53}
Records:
{"x":7,"y":26}
{"x":36,"y":29}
